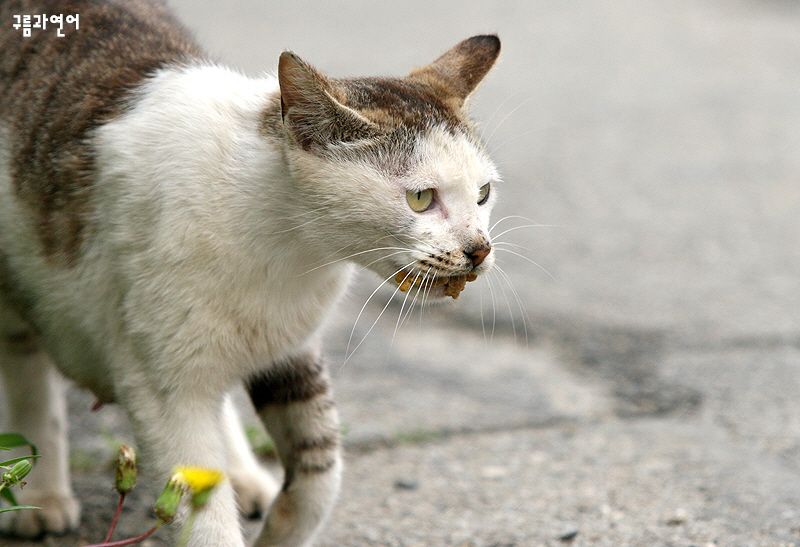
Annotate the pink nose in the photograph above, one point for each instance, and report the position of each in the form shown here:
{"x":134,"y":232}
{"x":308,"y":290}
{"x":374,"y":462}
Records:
{"x":478,"y":255}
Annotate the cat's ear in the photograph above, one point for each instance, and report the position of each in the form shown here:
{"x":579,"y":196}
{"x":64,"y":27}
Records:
{"x":459,"y":71}
{"x":310,"y":112}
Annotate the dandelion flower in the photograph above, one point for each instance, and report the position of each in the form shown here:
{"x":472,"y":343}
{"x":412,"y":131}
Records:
{"x":200,"y":480}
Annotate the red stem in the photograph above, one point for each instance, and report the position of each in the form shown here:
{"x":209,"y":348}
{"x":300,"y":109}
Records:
{"x":130,"y":541}
{"x":115,"y":519}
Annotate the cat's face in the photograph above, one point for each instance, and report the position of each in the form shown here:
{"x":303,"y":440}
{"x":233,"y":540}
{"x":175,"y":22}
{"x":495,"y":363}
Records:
{"x":396,"y":167}
{"x":444,"y":202}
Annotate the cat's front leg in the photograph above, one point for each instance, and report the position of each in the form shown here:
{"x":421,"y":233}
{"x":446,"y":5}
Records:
{"x":186,"y":428}
{"x":35,"y":393}
{"x":294,"y":401}
{"x":255,"y":487}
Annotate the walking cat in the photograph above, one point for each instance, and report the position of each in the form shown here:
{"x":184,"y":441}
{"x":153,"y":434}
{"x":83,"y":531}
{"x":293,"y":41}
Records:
{"x":170,"y":228}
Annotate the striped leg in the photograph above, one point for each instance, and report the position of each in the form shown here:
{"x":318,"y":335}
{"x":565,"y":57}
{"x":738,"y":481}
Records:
{"x":294,"y":401}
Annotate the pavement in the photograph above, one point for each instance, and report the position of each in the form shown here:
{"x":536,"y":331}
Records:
{"x":631,"y":376}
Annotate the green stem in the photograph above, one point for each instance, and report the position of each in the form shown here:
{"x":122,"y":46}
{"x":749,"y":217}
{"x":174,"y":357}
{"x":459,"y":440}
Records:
{"x":187,"y":530}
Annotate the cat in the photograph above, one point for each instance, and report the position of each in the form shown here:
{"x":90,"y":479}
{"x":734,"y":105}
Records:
{"x":170,"y":229}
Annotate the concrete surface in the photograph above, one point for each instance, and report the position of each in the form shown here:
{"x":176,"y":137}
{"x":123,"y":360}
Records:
{"x":638,"y":385}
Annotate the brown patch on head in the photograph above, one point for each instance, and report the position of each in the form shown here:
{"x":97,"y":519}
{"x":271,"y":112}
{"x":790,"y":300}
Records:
{"x":55,"y":90}
{"x":399,"y":102}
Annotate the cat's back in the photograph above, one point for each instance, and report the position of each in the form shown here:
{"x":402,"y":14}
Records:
{"x":55,"y":89}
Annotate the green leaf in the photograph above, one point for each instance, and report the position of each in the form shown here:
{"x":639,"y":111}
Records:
{"x":11,"y":462}
{"x":13,"y":440}
{"x":9,"y":496}
{"x":17,"y":508}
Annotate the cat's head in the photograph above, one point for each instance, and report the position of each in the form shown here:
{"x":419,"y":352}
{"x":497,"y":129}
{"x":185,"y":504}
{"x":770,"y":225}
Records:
{"x":394,"y":168}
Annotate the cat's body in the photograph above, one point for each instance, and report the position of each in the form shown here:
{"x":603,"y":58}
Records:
{"x":169,"y":228}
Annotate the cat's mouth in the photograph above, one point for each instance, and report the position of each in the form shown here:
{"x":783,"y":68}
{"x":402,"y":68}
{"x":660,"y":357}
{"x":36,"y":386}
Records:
{"x":448,"y":285}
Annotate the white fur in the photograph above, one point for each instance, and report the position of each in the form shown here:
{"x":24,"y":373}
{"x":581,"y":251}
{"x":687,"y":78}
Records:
{"x":209,"y":257}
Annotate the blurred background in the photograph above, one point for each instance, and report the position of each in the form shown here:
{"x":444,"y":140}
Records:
{"x":632,"y":375}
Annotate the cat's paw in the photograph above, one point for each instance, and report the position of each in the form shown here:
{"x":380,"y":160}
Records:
{"x":58,"y":515}
{"x":255,"y":489}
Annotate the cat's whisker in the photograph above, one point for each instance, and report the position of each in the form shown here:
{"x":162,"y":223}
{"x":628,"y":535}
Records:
{"x":502,"y":244}
{"x":494,"y":307}
{"x":348,"y":354}
{"x":420,"y":291}
{"x":427,"y":286}
{"x":495,"y":149}
{"x":525,"y":317}
{"x":488,"y":122}
{"x":520,"y":105}
{"x":511,"y":217}
{"x":522,"y":256}
{"x":496,"y":272}
{"x":399,"y":318}
{"x":398,"y":250}
{"x":523,"y":227}
{"x":418,"y":240}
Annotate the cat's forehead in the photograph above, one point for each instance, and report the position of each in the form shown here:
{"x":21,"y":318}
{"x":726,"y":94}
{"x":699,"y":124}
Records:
{"x":443,"y":159}
{"x":393,"y":103}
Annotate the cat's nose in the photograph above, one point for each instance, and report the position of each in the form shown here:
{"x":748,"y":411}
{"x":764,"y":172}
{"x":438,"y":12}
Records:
{"x":478,"y":255}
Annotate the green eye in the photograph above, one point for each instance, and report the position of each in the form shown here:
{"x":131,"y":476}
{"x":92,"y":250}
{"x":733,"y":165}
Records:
{"x":483,"y":193}
{"x":419,"y":201}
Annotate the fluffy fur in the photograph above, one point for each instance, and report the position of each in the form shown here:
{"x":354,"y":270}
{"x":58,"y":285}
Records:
{"x":194,"y":229}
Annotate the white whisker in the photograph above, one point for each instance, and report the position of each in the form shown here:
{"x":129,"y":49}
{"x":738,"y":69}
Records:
{"x":496,"y":110}
{"x":496,"y":271}
{"x":522,"y":310}
{"x":398,"y":249}
{"x":355,"y":324}
{"x":510,"y":139}
{"x":511,"y":217}
{"x":515,"y":228}
{"x":522,"y":256}
{"x":520,"y":105}
{"x":423,"y":243}
{"x":494,"y":308}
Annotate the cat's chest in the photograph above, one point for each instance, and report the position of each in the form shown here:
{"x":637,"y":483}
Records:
{"x":231,"y":320}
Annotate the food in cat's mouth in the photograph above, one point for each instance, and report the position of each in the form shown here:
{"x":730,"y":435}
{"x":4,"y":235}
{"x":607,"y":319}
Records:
{"x":452,"y":285}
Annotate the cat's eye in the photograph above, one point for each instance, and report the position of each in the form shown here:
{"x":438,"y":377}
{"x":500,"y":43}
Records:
{"x":483,"y":193}
{"x":419,"y":200}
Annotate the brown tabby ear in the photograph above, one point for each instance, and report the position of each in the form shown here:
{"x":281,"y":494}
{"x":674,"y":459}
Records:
{"x":459,"y":71}
{"x":311,"y":114}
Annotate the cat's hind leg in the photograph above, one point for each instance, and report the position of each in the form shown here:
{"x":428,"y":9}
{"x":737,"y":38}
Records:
{"x":36,"y":408}
{"x":294,"y":401}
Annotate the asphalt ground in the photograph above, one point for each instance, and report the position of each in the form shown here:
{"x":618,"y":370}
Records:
{"x":632,"y":378}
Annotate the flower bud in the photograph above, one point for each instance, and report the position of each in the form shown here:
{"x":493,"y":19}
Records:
{"x":126,"y":470}
{"x":17,"y":472}
{"x":166,"y":506}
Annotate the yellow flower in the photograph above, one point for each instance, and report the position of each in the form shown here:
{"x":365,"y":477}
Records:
{"x":201,"y":480}
{"x":198,"y":479}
